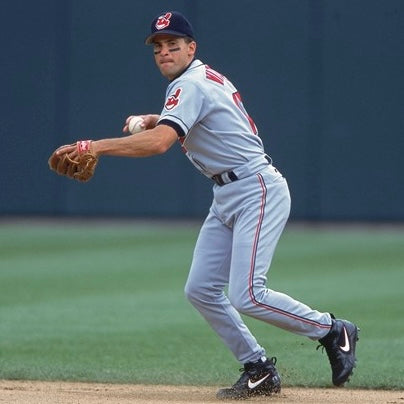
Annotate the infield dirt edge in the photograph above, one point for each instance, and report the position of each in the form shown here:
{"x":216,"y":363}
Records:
{"x":21,"y":392}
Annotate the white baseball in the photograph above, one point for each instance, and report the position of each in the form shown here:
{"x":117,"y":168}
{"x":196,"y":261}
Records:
{"x":135,"y":125}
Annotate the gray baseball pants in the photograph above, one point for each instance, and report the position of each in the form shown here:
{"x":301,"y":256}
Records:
{"x":234,"y":249}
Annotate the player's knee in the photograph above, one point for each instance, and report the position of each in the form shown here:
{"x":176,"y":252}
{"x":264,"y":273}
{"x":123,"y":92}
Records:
{"x":189,"y":291}
{"x":193,"y":292}
{"x":244,"y":302}
{"x":202,"y":295}
{"x":240,"y":301}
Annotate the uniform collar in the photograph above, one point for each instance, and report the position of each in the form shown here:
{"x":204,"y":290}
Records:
{"x":194,"y":63}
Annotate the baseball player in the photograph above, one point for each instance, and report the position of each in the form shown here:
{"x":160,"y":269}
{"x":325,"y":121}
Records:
{"x":251,"y":204}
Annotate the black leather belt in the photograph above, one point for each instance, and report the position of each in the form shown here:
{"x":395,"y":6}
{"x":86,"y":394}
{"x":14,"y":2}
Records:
{"x":230,"y":176}
{"x":218,"y":178}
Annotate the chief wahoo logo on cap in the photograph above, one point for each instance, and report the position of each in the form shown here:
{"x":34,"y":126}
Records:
{"x":163,"y":21}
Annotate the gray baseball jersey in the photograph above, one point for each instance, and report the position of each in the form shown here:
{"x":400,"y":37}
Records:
{"x":250,"y":208}
{"x":215,"y":130}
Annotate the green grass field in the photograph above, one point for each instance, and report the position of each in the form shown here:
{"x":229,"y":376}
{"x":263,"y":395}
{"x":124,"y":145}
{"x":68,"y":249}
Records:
{"x":104,"y":302}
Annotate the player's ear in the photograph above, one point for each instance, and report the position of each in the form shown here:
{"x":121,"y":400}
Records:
{"x":191,"y":48}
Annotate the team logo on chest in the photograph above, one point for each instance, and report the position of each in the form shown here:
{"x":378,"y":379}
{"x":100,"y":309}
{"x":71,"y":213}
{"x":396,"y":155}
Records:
{"x":163,"y":21}
{"x":173,"y":100}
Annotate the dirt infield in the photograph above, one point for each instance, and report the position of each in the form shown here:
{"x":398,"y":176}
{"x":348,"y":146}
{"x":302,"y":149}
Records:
{"x":33,"y":392}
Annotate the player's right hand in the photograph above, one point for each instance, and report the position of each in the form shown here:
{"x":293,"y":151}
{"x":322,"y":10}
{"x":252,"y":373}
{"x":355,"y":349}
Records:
{"x":150,"y":121}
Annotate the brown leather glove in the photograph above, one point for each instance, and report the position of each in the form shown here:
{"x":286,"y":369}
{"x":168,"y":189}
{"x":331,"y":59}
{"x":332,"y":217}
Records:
{"x":76,"y":161}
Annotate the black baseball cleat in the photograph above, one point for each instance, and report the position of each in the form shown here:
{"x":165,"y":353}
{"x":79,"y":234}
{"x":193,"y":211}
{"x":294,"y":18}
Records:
{"x":258,"y":379}
{"x":340,"y":345}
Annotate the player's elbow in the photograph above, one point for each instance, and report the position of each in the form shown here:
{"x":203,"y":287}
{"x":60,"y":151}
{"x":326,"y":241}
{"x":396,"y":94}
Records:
{"x":161,"y":147}
{"x":163,"y":139}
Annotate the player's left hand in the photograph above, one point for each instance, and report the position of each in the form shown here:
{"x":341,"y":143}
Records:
{"x":76,"y":161}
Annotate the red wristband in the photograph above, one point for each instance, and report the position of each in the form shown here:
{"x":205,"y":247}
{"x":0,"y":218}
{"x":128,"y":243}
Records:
{"x":83,"y":146}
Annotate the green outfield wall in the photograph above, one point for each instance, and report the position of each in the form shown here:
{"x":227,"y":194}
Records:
{"x":323,"y":80}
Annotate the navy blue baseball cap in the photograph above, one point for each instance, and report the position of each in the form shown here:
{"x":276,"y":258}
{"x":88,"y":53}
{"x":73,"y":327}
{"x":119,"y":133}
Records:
{"x":171,"y":22}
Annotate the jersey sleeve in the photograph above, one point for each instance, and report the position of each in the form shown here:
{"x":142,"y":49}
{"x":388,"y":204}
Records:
{"x":185,"y":106}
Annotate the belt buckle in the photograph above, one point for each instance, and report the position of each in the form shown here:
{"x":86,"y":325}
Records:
{"x":218,"y":179}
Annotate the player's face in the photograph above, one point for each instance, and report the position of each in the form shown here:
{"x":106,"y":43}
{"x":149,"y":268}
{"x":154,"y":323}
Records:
{"x":172,"y":54}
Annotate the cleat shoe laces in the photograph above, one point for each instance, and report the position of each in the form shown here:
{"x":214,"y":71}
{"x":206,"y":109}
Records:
{"x":258,"y":379}
{"x":340,"y":344}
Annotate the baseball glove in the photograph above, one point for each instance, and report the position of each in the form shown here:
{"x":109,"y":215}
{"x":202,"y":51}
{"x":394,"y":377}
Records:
{"x":76,"y":161}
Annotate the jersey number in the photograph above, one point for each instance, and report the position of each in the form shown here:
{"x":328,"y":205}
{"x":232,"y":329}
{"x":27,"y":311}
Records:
{"x":239,"y":103}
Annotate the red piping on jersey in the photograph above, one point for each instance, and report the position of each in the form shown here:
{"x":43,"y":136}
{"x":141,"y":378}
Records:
{"x":252,"y":267}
